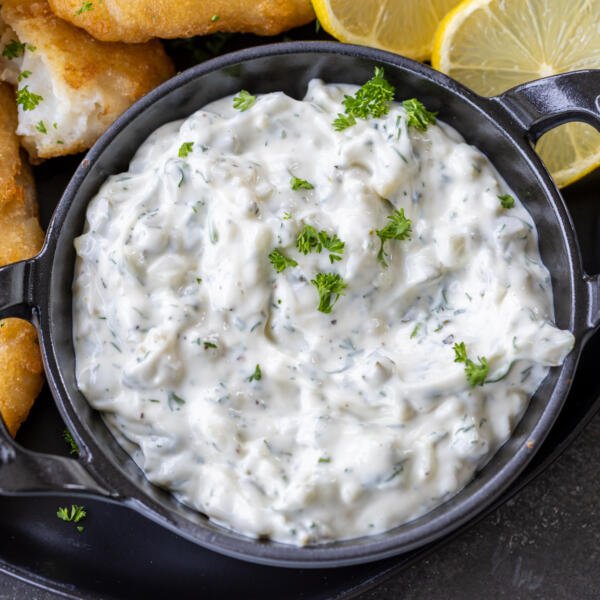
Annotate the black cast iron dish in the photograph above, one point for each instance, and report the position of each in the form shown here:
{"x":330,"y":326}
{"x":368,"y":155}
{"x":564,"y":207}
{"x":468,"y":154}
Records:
{"x":503,"y":128}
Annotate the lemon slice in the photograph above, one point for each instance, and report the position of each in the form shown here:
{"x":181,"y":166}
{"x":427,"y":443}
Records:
{"x":492,"y":45}
{"x":402,"y":26}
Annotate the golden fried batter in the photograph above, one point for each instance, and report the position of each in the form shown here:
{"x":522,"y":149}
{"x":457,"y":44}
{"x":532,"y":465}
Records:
{"x":21,"y":374}
{"x":141,"y":20}
{"x":71,"y":87}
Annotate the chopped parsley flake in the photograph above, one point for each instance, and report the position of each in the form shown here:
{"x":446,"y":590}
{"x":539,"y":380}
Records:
{"x":308,"y":240}
{"x":208,"y":345}
{"x":15,"y":49}
{"x":371,"y":100}
{"x":311,"y":240}
{"x":173,"y":398}
{"x":280,"y":261}
{"x":398,"y":228}
{"x":257,"y":375}
{"x":85,"y":7}
{"x":41,"y":127}
{"x":23,"y":75}
{"x":244,"y":100}
{"x":28,"y":100}
{"x":287,"y":216}
{"x":185,"y":149}
{"x":73,"y":447}
{"x":507,"y":201}
{"x":417,"y":115}
{"x":330,"y":287}
{"x":300,"y":184}
{"x":74,"y":515}
{"x":324,"y":459}
{"x":215,"y":18}
{"x":333,"y":244}
{"x":476,"y":373}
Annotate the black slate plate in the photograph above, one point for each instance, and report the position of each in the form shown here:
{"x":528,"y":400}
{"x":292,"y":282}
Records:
{"x":122,"y":555}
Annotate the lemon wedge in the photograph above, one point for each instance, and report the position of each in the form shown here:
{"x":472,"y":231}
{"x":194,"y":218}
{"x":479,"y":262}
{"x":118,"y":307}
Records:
{"x":402,"y":26}
{"x":492,"y":45}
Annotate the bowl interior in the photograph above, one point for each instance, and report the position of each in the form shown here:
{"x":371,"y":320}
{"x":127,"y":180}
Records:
{"x":290,"y":68}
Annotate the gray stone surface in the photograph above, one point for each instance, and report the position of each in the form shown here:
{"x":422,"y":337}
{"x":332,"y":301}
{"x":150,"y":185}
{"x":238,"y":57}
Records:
{"x":545,"y":543}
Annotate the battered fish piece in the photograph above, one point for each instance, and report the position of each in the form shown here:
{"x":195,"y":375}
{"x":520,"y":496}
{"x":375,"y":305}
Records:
{"x":21,"y":375}
{"x":70,"y":86}
{"x":127,"y":21}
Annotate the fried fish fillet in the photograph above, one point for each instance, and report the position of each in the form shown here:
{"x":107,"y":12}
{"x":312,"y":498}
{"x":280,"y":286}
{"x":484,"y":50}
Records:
{"x":70,"y":86}
{"x":21,"y":237}
{"x":139,"y":21}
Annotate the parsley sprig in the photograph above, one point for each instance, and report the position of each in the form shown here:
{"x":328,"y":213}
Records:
{"x":330,"y":287}
{"x":417,"y":115}
{"x":371,"y":100}
{"x":15,"y":49}
{"x":311,"y":240}
{"x":244,"y":100}
{"x":300,"y":184}
{"x":185,"y":149}
{"x":74,"y":515}
{"x":73,"y":447}
{"x":27,"y":99}
{"x":85,"y":7}
{"x":398,"y":228}
{"x":506,"y":200}
{"x":476,"y":373}
{"x":257,"y":375}
{"x":280,"y":261}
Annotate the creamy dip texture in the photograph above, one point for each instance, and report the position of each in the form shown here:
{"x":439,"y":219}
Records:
{"x":198,"y":333}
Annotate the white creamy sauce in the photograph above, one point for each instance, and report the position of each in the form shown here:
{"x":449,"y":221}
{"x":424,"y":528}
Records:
{"x":361,"y":419}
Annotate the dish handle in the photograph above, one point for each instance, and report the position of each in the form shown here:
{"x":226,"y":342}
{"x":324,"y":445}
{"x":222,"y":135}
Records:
{"x":541,"y":105}
{"x":22,"y":471}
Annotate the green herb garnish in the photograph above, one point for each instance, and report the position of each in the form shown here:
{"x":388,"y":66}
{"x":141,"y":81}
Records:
{"x":286,"y":216}
{"x":185,"y":149}
{"x":74,"y":515}
{"x":324,"y":459}
{"x":73,"y":447}
{"x":476,"y":373}
{"x":506,"y":200}
{"x":398,"y":228}
{"x":342,"y":122}
{"x":300,"y":184}
{"x":280,"y":261}
{"x":208,"y":345}
{"x":215,"y":18}
{"x":23,"y":75}
{"x":308,"y":240}
{"x":15,"y":49}
{"x":257,"y":375}
{"x":371,"y":100}
{"x":244,"y":100}
{"x":311,"y":240}
{"x":333,"y":244}
{"x":330,"y":287}
{"x":28,"y":100}
{"x":41,"y":127}
{"x":85,"y":7}
{"x":173,"y":398}
{"x":417,"y":115}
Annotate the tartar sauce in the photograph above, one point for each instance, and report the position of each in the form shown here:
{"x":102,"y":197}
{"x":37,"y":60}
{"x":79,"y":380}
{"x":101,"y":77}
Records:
{"x":198,"y":335}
